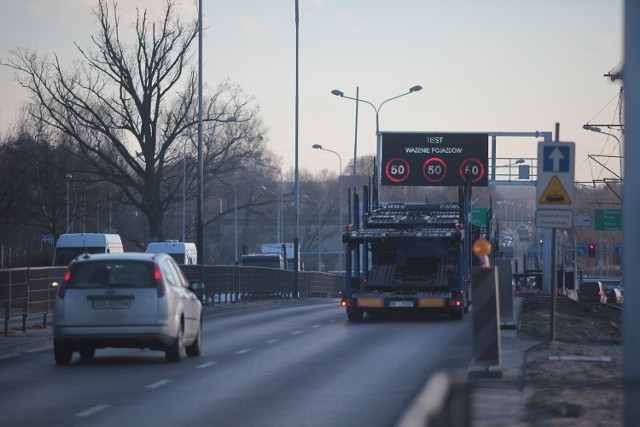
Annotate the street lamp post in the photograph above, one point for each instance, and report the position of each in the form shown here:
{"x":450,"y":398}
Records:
{"x":306,"y":197}
{"x":281,"y":218}
{"x":235,"y":215}
{"x":278,"y":212}
{"x":199,"y":221}
{"x":68,"y":177}
{"x":319,"y":147}
{"x":341,"y":94}
{"x":599,"y":130}
{"x":229,"y":119}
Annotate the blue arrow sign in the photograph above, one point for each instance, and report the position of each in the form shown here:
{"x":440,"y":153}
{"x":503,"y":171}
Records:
{"x":556,"y":159}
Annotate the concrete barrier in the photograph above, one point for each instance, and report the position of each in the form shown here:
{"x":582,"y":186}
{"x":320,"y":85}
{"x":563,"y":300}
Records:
{"x":443,"y":402}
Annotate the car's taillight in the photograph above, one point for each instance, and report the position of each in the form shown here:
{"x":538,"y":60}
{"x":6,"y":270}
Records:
{"x":63,"y":286}
{"x":157,"y":275}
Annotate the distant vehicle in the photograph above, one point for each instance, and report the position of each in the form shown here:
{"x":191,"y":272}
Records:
{"x":614,"y":296}
{"x":70,"y":246}
{"x":183,"y":252}
{"x":523,"y":232}
{"x":417,"y":252}
{"x":263,"y":260}
{"x":286,"y":250}
{"x":591,"y":292}
{"x":129,"y":300}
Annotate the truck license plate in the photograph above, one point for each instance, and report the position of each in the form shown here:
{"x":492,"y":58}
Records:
{"x":400,"y":303}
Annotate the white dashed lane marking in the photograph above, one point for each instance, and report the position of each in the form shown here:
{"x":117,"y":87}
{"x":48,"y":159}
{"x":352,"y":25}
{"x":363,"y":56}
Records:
{"x":246,"y":350}
{"x":93,"y":410}
{"x":205,"y":365}
{"x":157,"y":384}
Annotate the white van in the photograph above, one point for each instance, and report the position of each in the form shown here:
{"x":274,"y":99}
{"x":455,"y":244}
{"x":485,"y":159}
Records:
{"x":70,"y":246}
{"x":183,"y":252}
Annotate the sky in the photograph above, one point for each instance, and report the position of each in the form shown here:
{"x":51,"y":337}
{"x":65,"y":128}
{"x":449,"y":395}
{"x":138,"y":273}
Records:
{"x":485,"y":66}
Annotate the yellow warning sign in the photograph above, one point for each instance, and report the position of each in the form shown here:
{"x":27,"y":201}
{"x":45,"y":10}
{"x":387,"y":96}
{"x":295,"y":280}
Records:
{"x":555,"y":194}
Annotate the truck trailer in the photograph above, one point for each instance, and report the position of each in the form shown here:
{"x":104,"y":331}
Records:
{"x":418,"y":261}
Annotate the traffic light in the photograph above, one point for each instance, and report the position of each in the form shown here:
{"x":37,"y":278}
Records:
{"x":592,"y":250}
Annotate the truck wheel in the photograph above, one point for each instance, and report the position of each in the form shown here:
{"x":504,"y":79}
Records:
{"x":354,"y":315}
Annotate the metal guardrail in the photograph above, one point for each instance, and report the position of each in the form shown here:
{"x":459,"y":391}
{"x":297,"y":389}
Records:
{"x":28,"y":292}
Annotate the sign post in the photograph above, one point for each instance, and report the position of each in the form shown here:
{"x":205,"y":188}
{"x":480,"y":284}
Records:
{"x":554,"y":200}
{"x":555,"y":188}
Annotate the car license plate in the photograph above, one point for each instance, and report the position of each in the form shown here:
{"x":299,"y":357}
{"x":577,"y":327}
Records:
{"x":400,"y":303}
{"x":111,"y":303}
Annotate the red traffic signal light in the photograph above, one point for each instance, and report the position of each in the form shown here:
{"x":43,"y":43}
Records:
{"x":592,"y":250}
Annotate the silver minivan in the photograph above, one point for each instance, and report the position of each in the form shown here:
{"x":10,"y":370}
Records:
{"x":127,"y":300}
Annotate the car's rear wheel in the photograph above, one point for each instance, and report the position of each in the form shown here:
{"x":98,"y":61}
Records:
{"x":174,"y":353}
{"x":62,"y":353}
{"x":196,"y":347}
{"x":87,"y":353}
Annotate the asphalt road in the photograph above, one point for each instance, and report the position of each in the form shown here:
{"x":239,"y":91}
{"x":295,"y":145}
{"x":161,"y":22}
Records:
{"x":297,"y":366}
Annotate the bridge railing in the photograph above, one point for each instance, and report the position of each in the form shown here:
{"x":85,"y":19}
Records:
{"x":26,"y":293}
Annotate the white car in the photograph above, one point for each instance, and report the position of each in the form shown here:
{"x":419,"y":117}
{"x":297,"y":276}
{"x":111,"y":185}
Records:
{"x":127,"y":300}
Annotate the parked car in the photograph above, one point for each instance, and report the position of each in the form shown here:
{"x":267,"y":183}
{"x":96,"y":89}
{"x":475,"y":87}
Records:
{"x":591,"y":292}
{"x":614,"y":295}
{"x":127,"y":300}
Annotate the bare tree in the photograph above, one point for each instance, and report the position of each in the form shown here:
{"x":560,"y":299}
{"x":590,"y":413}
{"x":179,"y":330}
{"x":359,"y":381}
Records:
{"x":131,"y":109}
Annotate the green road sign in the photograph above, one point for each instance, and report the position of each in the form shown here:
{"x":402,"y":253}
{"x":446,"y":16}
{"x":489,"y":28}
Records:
{"x":479,"y":216}
{"x":608,"y":219}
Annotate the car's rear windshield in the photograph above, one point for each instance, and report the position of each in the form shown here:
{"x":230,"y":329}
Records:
{"x":112,"y":274}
